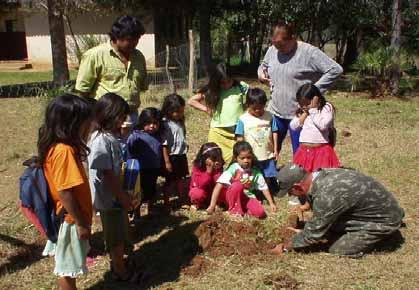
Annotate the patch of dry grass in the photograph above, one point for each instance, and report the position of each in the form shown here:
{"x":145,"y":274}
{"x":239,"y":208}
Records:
{"x":383,"y":142}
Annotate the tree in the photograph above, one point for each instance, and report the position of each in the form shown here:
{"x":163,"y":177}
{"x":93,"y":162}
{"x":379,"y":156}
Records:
{"x":58,"y":43}
{"x":395,"y":45}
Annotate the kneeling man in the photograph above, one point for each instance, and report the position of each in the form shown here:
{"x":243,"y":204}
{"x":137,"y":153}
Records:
{"x":345,"y":203}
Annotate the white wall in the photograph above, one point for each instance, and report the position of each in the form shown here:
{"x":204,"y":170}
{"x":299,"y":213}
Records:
{"x":39,"y":43}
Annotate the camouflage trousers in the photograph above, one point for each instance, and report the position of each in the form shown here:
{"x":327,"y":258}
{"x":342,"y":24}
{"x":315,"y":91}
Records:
{"x":356,"y":243}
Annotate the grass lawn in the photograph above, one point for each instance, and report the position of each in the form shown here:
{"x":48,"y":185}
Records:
{"x":22,"y":77}
{"x":381,"y":140}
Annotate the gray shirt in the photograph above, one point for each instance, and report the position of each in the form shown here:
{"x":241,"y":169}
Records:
{"x":174,"y":137}
{"x":105,"y":154}
{"x":290,"y":71}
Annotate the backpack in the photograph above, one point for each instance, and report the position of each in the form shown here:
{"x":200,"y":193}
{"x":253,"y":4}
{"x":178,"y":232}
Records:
{"x":130,"y":179}
{"x":36,"y":202}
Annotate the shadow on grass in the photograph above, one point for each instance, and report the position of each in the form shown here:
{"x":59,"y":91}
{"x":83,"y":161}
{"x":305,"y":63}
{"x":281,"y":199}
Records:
{"x":25,"y":255}
{"x":161,"y":260}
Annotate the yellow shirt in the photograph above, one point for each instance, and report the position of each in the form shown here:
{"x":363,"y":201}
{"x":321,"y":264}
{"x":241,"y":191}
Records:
{"x":102,"y":71}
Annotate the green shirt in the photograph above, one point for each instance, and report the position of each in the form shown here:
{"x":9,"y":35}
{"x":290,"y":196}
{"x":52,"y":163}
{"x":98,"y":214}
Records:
{"x":230,"y":106}
{"x":102,"y":70}
{"x":252,"y":179}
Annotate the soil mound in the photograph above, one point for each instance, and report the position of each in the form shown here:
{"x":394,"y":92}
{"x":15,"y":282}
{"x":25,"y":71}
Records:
{"x":196,"y":266}
{"x":219,"y":236}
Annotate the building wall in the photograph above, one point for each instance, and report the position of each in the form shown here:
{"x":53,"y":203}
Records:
{"x":39,"y":43}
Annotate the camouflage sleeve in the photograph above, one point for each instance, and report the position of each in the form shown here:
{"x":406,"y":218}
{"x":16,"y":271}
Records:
{"x":327,"y":207}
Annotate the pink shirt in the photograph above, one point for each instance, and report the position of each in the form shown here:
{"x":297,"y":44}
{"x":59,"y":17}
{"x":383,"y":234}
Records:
{"x":316,"y":126}
{"x":203,"y":179}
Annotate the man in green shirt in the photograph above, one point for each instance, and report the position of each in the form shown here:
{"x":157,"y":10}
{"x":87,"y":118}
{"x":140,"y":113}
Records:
{"x":116,"y":66}
{"x":357,"y":209}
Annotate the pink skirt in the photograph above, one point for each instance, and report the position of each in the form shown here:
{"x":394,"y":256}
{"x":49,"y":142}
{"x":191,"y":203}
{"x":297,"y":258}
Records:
{"x":314,"y":158}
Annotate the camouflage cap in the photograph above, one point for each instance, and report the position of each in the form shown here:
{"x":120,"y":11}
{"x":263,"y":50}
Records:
{"x":288,"y":176}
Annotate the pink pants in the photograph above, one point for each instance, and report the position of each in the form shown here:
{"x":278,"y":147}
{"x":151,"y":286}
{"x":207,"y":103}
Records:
{"x":239,"y":203}
{"x":199,"y":197}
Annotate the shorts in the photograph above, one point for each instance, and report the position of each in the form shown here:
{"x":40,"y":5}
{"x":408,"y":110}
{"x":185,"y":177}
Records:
{"x":179,"y":168}
{"x":268,"y":168}
{"x":115,"y":227}
{"x":70,"y":252}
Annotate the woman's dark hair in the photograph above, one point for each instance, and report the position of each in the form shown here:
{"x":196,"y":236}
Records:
{"x":212,"y":90}
{"x":256,"y":96}
{"x":307,"y":92}
{"x":240,"y":147}
{"x":64,"y":117}
{"x":172,"y":103}
{"x":147,"y":116}
{"x":109,"y":109}
{"x":208,"y":150}
{"x":288,"y":27}
{"x":126,"y":26}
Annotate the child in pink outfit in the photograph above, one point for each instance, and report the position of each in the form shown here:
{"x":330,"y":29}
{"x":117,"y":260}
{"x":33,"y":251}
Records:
{"x":237,"y":185}
{"x":207,"y":168}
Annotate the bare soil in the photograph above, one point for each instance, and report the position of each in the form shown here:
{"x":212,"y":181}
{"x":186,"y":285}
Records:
{"x":219,"y":236}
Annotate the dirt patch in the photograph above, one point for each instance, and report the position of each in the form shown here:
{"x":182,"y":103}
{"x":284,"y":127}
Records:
{"x":196,"y":266}
{"x":219,"y":236}
{"x":281,"y":281}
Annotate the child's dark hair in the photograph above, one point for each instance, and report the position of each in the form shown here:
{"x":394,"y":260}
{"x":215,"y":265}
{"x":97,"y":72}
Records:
{"x":240,"y":147}
{"x":147,"y":116}
{"x":307,"y":92}
{"x":208,"y":150}
{"x":212,"y":90}
{"x":256,"y":96}
{"x":172,"y":103}
{"x":64,"y":117}
{"x":126,"y":26}
{"x":109,"y":110}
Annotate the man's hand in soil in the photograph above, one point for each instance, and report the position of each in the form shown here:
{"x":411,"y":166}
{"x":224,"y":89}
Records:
{"x":282,"y":248}
{"x":294,"y":230}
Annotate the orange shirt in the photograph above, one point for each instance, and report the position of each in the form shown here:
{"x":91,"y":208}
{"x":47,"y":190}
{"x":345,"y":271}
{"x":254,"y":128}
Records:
{"x":64,"y":171}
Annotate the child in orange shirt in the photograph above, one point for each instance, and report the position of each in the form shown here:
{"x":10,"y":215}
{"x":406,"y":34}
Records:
{"x":62,"y":148}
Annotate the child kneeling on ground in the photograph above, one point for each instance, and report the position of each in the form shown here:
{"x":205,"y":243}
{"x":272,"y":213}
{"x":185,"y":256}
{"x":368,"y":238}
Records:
{"x":237,"y":185}
{"x":207,"y":168}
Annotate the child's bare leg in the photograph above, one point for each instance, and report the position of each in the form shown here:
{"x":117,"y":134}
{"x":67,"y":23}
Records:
{"x":168,"y":190}
{"x":67,"y":283}
{"x":117,"y":260}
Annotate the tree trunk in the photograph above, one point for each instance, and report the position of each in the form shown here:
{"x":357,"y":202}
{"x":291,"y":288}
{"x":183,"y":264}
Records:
{"x":205,"y":34}
{"x":395,"y":45}
{"x":351,"y":51}
{"x":58,"y":43}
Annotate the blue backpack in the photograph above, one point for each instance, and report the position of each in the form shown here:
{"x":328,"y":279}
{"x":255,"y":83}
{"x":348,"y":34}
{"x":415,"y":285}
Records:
{"x":131,"y":181}
{"x":36,"y":202}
